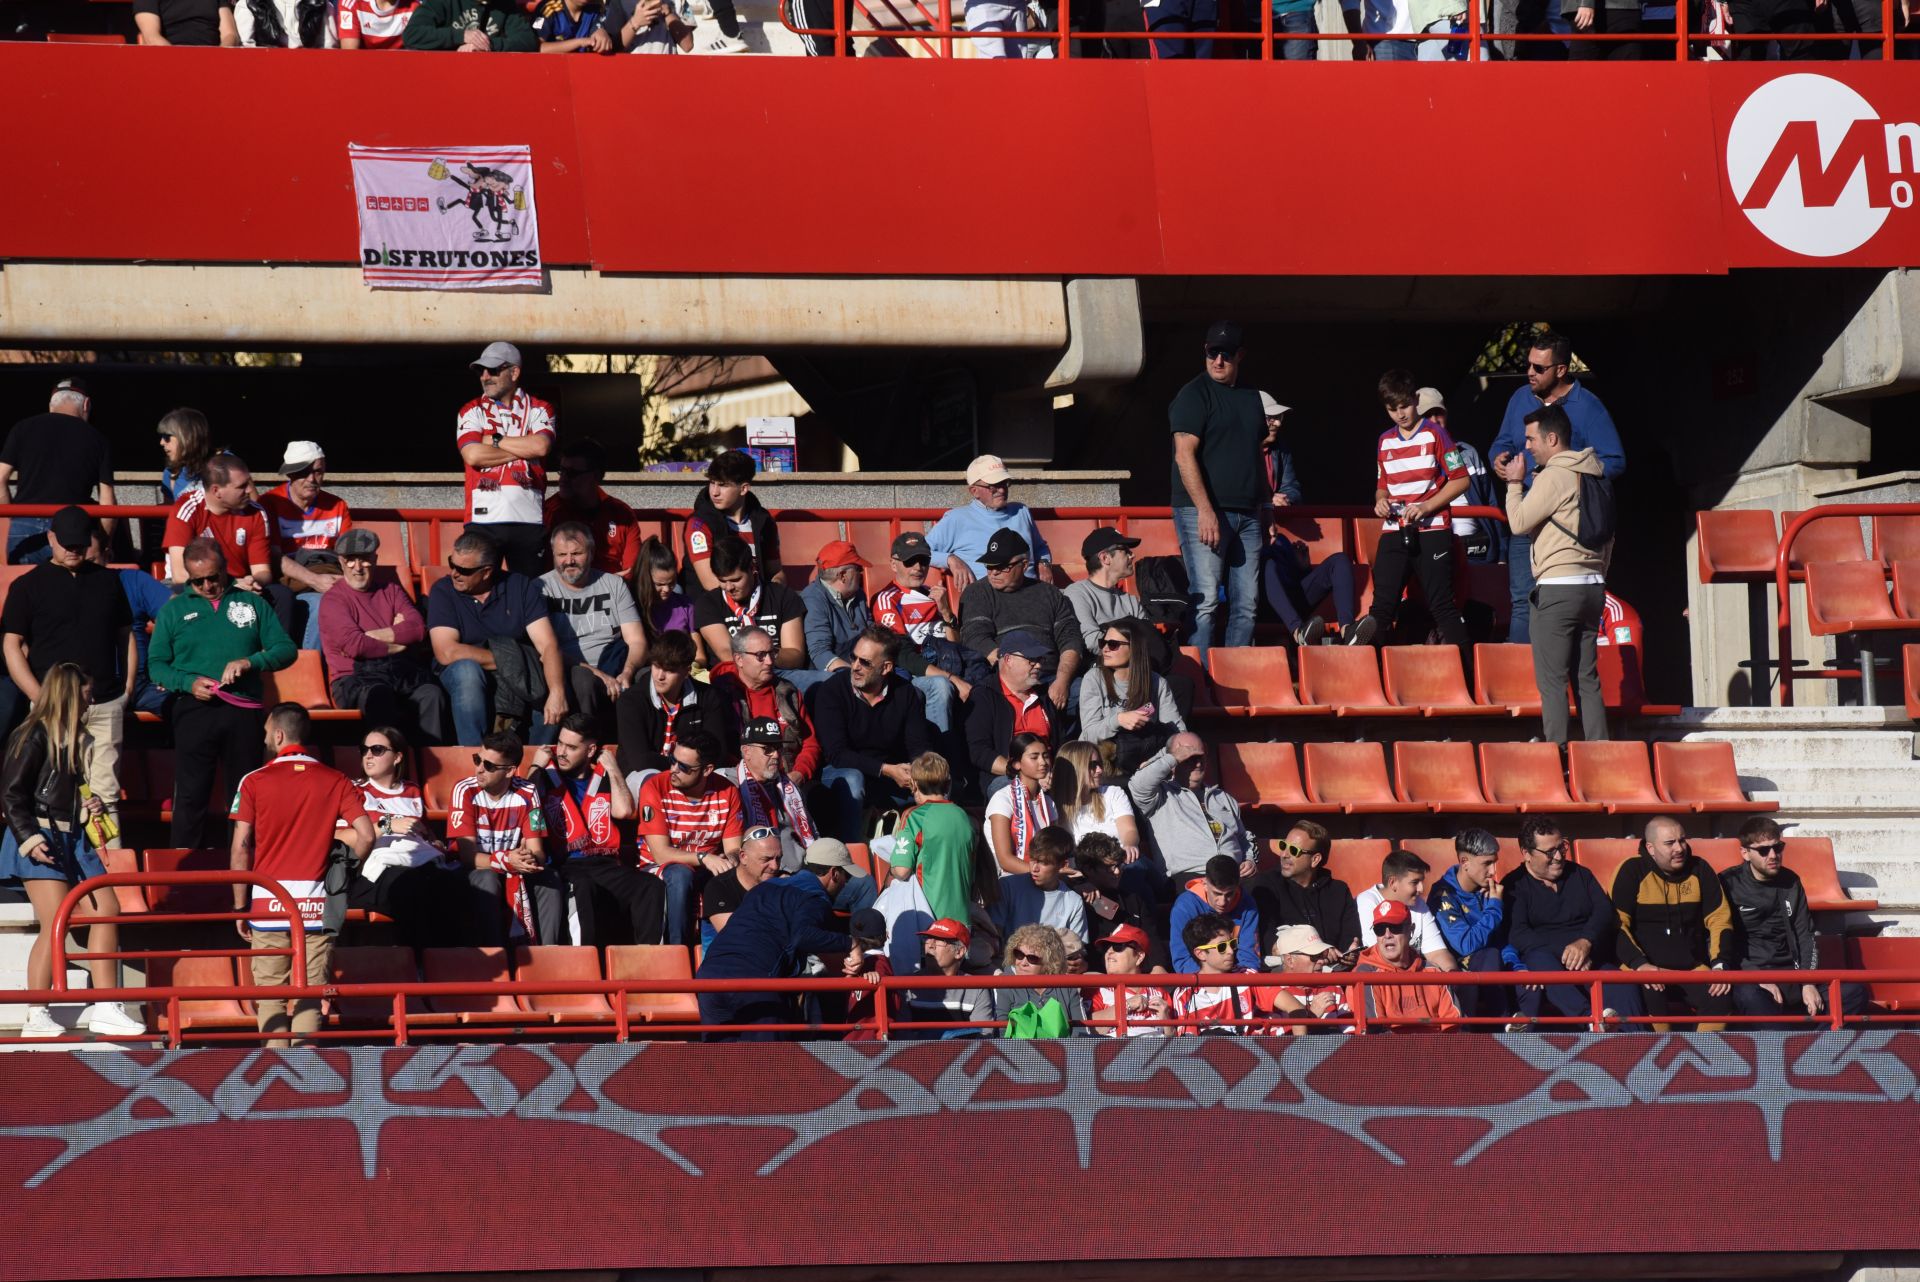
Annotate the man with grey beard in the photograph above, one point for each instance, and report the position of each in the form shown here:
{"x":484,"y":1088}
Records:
{"x":596,"y":623}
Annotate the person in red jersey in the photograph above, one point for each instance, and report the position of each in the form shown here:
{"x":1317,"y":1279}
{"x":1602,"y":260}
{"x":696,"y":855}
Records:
{"x":585,"y":796}
{"x":727,"y":505}
{"x":504,"y":436}
{"x":616,"y":530}
{"x":498,"y":828}
{"x":222,"y":511}
{"x":1418,"y":473}
{"x":691,"y":823}
{"x":303,"y":521}
{"x":285,"y":816}
{"x":373,"y":24}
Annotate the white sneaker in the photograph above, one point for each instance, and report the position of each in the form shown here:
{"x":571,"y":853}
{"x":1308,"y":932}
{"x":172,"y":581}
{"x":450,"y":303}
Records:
{"x":41,"y":1023}
{"x":708,"y":38}
{"x":111,"y":1019}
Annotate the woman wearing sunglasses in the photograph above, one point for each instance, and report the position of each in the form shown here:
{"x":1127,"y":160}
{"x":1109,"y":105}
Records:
{"x":409,"y":876}
{"x":1087,"y":802}
{"x":1035,"y":950}
{"x":1124,"y":701}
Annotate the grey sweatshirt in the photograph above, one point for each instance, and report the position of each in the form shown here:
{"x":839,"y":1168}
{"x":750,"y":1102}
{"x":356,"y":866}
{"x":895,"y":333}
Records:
{"x":1188,"y":828}
{"x":1100,"y":716}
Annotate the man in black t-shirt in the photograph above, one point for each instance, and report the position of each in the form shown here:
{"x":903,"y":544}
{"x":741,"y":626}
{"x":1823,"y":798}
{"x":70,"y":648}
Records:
{"x":185,"y":22}
{"x":745,"y":600}
{"x":759,"y":860}
{"x":1218,"y":427}
{"x":71,"y":610}
{"x":56,"y":457}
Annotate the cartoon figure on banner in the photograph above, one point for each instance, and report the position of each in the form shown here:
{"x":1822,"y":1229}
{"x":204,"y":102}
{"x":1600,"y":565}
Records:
{"x":488,"y":190}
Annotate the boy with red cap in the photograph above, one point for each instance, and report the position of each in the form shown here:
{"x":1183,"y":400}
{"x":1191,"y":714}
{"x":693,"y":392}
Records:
{"x":1393,"y":952}
{"x":1124,"y":952}
{"x":943,"y":951}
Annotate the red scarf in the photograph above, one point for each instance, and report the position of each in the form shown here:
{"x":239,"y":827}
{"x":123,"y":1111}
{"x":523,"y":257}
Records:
{"x":742,"y":614}
{"x":588,"y":832}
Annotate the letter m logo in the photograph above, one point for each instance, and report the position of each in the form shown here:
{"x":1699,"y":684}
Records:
{"x":1821,"y":184}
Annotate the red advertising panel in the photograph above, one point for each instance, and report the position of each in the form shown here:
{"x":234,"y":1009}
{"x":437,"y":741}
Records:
{"x":455,"y":1158}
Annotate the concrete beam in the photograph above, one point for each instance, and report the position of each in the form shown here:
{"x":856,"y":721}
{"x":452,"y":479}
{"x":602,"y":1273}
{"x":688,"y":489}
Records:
{"x":78,"y":304}
{"x":1106,"y":342}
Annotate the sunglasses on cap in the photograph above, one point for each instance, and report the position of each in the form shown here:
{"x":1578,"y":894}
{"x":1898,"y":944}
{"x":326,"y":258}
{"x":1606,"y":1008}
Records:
{"x":760,"y":833}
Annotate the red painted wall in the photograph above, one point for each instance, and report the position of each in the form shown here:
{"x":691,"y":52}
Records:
{"x":933,"y":168}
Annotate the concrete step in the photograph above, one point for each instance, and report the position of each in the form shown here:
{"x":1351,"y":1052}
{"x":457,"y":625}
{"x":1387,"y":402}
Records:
{"x":1690,"y":720}
{"x":1755,"y":749}
{"x":1897,"y":784}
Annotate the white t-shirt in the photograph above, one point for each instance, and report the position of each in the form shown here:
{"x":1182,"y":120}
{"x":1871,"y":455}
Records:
{"x":1426,"y":929}
{"x":1041,"y":808}
{"x":1114,"y":801}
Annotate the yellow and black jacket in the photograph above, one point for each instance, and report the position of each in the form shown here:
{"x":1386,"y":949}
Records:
{"x":1679,"y":922}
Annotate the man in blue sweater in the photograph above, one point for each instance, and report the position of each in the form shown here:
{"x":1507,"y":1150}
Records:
{"x":1468,"y":903}
{"x":1216,"y":891}
{"x":1559,"y":917}
{"x":1549,"y":382}
{"x":778,"y":925}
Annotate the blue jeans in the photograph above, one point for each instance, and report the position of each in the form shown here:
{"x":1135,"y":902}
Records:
{"x":1183,"y":15}
{"x":310,"y":634}
{"x":1296,"y":24}
{"x":679,"y":879}
{"x":804,"y":679}
{"x":469,"y":689}
{"x":1236,"y":559}
{"x":939,"y":696}
{"x":1520,"y":587}
{"x":1573,"y":999}
{"x":30,"y":531}
{"x":147,"y":697}
{"x":848,"y":788}
{"x":1396,"y":50}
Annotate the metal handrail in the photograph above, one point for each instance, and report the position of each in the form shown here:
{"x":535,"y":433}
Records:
{"x":1782,"y":579}
{"x":64,"y":920}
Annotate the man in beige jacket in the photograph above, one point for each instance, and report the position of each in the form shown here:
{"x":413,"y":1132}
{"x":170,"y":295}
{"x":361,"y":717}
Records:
{"x":1570,"y":581}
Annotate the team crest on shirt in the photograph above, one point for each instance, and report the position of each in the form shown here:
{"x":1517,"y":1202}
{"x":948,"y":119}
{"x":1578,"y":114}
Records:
{"x":240,"y":536}
{"x":1455,"y":459}
{"x":240,"y":613}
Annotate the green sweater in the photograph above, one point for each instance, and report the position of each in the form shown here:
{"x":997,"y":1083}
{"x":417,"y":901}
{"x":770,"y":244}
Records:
{"x":443,"y":24}
{"x":192,"y":639}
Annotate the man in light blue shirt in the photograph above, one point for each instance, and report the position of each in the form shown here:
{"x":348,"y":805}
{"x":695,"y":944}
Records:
{"x":959,"y":538}
{"x":1549,"y":382}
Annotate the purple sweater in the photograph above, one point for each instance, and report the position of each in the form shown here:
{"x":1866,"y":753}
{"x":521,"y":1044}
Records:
{"x":347,"y":616}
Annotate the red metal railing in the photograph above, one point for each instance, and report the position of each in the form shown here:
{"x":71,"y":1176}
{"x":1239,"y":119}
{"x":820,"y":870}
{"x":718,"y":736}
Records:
{"x":280,"y":905}
{"x":1782,"y":585}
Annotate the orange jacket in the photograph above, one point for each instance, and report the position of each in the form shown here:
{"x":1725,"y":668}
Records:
{"x":1407,"y":1001}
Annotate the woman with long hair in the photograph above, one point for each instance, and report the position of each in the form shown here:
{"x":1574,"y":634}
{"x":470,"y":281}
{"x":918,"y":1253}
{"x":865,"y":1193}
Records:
{"x":1088,"y":803}
{"x":1024,"y":806}
{"x":656,"y":591}
{"x":46,"y":849}
{"x":392,"y":799}
{"x":186,"y":441}
{"x":1125,"y":701}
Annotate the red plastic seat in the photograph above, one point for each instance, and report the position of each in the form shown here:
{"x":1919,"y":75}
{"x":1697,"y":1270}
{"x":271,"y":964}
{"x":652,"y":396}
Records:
{"x":1527,"y":776}
{"x":1156,"y":535}
{"x":1323,"y":535}
{"x":1823,"y":539}
{"x":1616,"y":775}
{"x":1910,"y":668}
{"x":1255,"y":681}
{"x":440,"y":770}
{"x":1205,"y":702}
{"x":1443,"y":777}
{"x":801,"y":538}
{"x":1602,"y":856}
{"x":1736,"y":546}
{"x":472,"y":965}
{"x":1849,"y":596}
{"x":1896,"y":538}
{"x":360,"y":964}
{"x":1266,"y":776}
{"x":8,"y":573}
{"x":655,"y":961}
{"x":1869,"y":952}
{"x":393,"y":546}
{"x":1812,"y":858}
{"x":429,"y":575}
{"x":1356,"y":861}
{"x":1347,"y":679}
{"x":1429,"y":677}
{"x":1063,"y":537}
{"x":878,"y":869}
{"x":188,"y":899}
{"x":1906,"y":589}
{"x":304,"y":682}
{"x":1701,"y":776}
{"x":83,"y":38}
{"x":1353,"y":776}
{"x":557,"y":964}
{"x":197,"y":1012}
{"x":1503,"y":678}
{"x":873,"y":540}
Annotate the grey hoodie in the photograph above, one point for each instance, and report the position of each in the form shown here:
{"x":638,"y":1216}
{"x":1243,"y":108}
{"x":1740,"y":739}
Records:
{"x":1187,"y":828}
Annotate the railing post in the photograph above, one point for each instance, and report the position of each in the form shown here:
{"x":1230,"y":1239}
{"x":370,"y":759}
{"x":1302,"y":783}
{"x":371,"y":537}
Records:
{"x":946,"y":51}
{"x":399,"y":1019}
{"x":1680,"y":29}
{"x":1266,"y":30}
{"x":1066,"y":27}
{"x":882,"y":1025}
{"x":842,"y":46}
{"x":1835,"y":1019}
{"x":173,"y":1022}
{"x":1596,"y":1007}
{"x":1889,"y":18}
{"x":1474,"y":26}
{"x":1120,"y":1010}
{"x":1360,"y":1007}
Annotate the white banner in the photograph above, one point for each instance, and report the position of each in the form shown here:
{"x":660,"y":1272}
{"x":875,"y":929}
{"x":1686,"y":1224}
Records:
{"x":446,"y":218}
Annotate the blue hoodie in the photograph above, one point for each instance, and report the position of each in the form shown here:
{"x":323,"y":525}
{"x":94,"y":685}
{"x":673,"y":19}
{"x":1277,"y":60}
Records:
{"x":1192,"y":904}
{"x":1469,"y":921}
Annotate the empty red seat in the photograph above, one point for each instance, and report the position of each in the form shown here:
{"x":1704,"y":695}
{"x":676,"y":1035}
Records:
{"x":1265,"y":776}
{"x":471,"y":966}
{"x":198,"y":1012}
{"x":440,"y":770}
{"x":1883,"y":953}
{"x":655,"y":961}
{"x":874,"y":866}
{"x":1910,"y":668}
{"x":1155,"y":533}
{"x":1896,"y":538}
{"x":1849,"y":596}
{"x":431,"y":574}
{"x":213,"y":898}
{"x":1906,"y":589}
{"x":1736,"y":546}
{"x":1701,"y":776}
{"x":1616,"y":775}
{"x":1503,"y":678}
{"x":361,"y":964}
{"x":1347,"y":679}
{"x":1602,"y":856}
{"x":1255,"y":681}
{"x":1356,"y":861}
{"x":304,"y":682}
{"x":1441,"y":776}
{"x":1322,"y":535}
{"x":1429,"y":677}
{"x":1063,"y":536}
{"x":1527,"y":776}
{"x":559,"y":964}
{"x":1354,"y":777}
{"x":801,"y":538}
{"x":1812,"y":858}
{"x":1824,"y":538}
{"x":1187,"y":664}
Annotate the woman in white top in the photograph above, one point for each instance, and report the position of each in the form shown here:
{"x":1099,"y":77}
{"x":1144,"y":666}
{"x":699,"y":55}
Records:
{"x":392,"y":801}
{"x":1125,"y":700}
{"x":1087,"y":802}
{"x":1024,"y":806}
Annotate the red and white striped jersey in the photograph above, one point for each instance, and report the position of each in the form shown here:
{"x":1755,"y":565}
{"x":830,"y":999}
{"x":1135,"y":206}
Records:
{"x":1139,"y":1006}
{"x":514,"y":491}
{"x":495,"y":824}
{"x":294,"y":528}
{"x":1414,"y":467}
{"x":404,"y":802}
{"x":699,"y":824}
{"x":378,"y":26}
{"x":908,"y":611}
{"x":1215,"y":1008}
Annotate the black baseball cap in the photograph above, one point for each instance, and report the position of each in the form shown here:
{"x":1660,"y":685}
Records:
{"x":1223,"y":333}
{"x":72,"y":526}
{"x":1026,"y":644}
{"x":1103,"y":538}
{"x":764,"y":731}
{"x":910,"y":544}
{"x":1005,"y":547}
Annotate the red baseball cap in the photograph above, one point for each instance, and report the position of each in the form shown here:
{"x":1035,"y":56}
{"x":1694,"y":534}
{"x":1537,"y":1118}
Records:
{"x":949,"y":929}
{"x":1131,"y":936}
{"x":1389,"y":913}
{"x":839,"y":553}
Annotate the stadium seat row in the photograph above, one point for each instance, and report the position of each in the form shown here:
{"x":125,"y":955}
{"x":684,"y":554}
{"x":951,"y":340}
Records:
{"x":1741,"y":546}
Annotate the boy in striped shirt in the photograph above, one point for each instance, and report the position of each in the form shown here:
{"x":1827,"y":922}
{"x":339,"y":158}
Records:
{"x":1417,"y":472}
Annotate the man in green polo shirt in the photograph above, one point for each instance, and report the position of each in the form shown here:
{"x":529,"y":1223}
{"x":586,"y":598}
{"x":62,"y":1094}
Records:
{"x":210,"y":645}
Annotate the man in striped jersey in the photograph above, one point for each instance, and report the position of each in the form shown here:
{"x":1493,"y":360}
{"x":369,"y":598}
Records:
{"x":303,"y":521}
{"x":504,"y":436}
{"x":497,"y":826}
{"x":1417,"y":473}
{"x":691,"y":823}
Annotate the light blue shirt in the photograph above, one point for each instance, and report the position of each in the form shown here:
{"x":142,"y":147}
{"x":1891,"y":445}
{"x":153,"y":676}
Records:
{"x":964,"y":531}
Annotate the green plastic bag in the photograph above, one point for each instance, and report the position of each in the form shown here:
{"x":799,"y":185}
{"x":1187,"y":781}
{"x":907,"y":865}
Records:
{"x":1048,"y":1019}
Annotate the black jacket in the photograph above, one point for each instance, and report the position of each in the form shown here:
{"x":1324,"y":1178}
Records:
{"x":1677,"y":923}
{"x":990,"y":724}
{"x":37,"y":790}
{"x":766,"y":540}
{"x":1326,"y":905}
{"x":1550,"y":920}
{"x":641,"y":725}
{"x":1772,"y":928}
{"x":855,"y":735}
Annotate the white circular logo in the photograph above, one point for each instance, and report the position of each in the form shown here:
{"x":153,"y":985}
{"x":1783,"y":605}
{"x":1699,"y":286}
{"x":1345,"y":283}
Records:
{"x":1771,"y":130}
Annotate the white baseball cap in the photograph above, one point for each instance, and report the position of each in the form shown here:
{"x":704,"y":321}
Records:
{"x":987,"y":470}
{"x":299,"y":456}
{"x":496,"y":355}
{"x":1427,"y":400}
{"x":1270,"y":407}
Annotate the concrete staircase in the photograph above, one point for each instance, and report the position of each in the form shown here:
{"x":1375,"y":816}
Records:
{"x":1845,"y":773}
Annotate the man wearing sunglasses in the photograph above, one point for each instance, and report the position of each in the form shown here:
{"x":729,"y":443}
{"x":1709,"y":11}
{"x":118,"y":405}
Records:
{"x":1774,"y":931}
{"x":504,"y":436}
{"x":210,"y":645}
{"x":1219,"y":489}
{"x":1393,"y":952}
{"x":691,"y":823}
{"x":1558,"y":917}
{"x":585,"y":796}
{"x":493,"y":645}
{"x":958,"y":539}
{"x":1550,"y":381}
{"x":873,"y":722}
{"x":497,"y":826}
{"x":1301,"y":892}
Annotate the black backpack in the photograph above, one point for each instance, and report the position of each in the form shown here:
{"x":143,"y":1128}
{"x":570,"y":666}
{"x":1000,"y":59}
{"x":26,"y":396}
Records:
{"x":1161,"y":582}
{"x":1596,"y":514}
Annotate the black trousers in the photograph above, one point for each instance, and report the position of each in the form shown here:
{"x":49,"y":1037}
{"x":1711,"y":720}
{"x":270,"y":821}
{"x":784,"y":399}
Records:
{"x":1428,"y":558}
{"x":617,"y":903}
{"x":434,"y":907}
{"x":209,"y":736}
{"x":1684,"y":999}
{"x":1773,"y":17}
{"x":280,"y":597}
{"x":522,"y":544}
{"x":420,"y":709}
{"x":1609,"y":22}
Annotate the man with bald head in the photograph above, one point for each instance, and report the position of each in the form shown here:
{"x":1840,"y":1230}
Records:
{"x":1190,"y":818}
{"x":760,"y":854}
{"x":1673,"y":915}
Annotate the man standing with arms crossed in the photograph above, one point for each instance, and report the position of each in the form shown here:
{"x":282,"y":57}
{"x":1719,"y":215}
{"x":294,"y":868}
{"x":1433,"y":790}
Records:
{"x":504,"y":436}
{"x":1218,"y":488}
